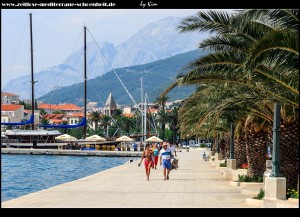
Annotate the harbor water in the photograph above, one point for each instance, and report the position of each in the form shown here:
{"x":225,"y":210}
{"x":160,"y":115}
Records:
{"x":24,"y":174}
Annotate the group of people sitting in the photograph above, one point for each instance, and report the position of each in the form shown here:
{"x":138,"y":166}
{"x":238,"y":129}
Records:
{"x":166,"y":156}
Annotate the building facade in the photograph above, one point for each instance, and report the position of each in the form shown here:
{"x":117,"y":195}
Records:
{"x":110,"y":105}
{"x":9,"y":98}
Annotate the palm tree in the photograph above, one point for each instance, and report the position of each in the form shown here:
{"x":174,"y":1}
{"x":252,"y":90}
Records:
{"x":117,"y":113}
{"x":127,"y":123}
{"x":44,"y":121}
{"x":43,"y":112}
{"x":240,"y":144}
{"x":105,"y":122}
{"x":161,"y":101}
{"x":256,"y":53}
{"x":95,"y":117}
{"x":173,"y":122}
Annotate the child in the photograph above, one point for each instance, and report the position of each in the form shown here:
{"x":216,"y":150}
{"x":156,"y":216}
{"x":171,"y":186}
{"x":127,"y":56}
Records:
{"x":204,"y":156}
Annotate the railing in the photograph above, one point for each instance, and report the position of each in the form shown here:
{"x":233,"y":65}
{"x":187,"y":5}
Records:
{"x":137,"y":134}
{"x":9,"y":140}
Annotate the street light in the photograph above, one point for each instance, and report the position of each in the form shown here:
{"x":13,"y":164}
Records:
{"x":231,"y":141}
{"x":276,"y":143}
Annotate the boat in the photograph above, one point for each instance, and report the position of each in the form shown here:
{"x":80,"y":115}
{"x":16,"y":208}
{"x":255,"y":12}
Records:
{"x":30,"y":139}
{"x":39,"y":138}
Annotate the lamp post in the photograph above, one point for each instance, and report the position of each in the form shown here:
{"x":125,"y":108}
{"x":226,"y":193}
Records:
{"x":231,"y":141}
{"x":275,"y":184}
{"x":276,"y":143}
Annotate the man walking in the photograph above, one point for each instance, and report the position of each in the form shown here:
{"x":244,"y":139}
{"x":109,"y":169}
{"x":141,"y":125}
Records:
{"x":173,"y":150}
{"x":165,"y":158}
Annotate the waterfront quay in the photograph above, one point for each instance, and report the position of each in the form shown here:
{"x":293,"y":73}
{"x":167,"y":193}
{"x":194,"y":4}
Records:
{"x":196,"y":184}
{"x":71,"y":152}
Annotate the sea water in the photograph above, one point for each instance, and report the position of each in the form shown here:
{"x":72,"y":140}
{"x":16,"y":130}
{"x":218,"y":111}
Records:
{"x":24,"y":174}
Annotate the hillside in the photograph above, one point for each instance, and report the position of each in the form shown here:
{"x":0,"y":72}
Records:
{"x":155,"y":41}
{"x":157,"y":76}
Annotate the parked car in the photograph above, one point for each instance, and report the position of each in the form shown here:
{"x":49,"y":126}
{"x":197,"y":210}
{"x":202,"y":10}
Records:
{"x":197,"y":145}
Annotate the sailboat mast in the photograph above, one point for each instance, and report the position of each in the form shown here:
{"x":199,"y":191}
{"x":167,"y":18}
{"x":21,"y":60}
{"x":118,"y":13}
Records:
{"x":142,"y":110}
{"x":145,"y":118}
{"x":32,"y":78}
{"x":84,"y":129}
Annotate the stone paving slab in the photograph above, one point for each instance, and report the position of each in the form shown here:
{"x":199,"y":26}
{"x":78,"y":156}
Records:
{"x":196,"y":184}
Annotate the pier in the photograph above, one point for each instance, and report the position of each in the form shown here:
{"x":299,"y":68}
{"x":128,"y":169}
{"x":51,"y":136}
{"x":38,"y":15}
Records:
{"x":71,"y":152}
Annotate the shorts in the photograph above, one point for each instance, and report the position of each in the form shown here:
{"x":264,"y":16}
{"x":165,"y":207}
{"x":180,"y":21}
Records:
{"x":147,"y":162}
{"x":167,"y":164}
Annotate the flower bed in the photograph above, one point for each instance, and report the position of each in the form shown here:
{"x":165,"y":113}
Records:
{"x":245,"y":178}
{"x":244,"y":166}
{"x":292,"y":193}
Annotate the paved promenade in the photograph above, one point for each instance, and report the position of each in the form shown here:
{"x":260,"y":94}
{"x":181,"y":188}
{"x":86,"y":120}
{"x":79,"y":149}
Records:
{"x":196,"y":184}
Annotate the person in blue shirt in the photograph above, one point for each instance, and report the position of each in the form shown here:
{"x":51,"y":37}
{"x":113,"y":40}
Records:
{"x":135,"y":147}
{"x":155,"y":154}
{"x":165,"y":160}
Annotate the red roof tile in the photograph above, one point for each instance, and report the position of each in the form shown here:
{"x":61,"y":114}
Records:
{"x":78,"y":114}
{"x":12,"y":107}
{"x":127,"y":115}
{"x":8,"y":94}
{"x":54,"y":116}
{"x":57,"y":121}
{"x":153,"y":110}
{"x":62,"y":107}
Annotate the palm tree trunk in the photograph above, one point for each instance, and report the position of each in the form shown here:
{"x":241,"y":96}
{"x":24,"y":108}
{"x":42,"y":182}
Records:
{"x":240,"y":152}
{"x":174,"y":135}
{"x":227,"y":145}
{"x":289,"y":154}
{"x":256,"y":149}
{"x":222,"y":148}
{"x":163,"y":127}
{"x":96,"y":126}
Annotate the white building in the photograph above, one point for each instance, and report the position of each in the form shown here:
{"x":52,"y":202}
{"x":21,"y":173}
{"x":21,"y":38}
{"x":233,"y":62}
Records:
{"x":12,"y":113}
{"x":9,"y":98}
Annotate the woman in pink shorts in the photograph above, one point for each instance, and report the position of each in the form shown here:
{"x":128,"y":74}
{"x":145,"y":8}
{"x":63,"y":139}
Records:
{"x":147,"y":154}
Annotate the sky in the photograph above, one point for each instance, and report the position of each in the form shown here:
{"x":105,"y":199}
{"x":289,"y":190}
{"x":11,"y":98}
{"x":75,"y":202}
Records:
{"x":59,"y":33}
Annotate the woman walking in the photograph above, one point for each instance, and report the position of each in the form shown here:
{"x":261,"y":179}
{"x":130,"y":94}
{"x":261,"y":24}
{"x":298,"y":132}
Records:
{"x":155,"y":154}
{"x":147,"y":154}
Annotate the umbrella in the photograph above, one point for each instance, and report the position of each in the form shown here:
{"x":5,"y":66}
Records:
{"x":95,"y":138}
{"x":65,"y":137}
{"x":153,"y":139}
{"x":124,"y":139}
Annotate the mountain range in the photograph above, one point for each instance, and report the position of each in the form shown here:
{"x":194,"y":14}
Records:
{"x":156,"y":41}
{"x":157,"y":76}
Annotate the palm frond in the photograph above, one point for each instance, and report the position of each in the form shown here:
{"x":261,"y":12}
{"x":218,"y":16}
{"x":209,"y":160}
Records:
{"x":212,"y":21}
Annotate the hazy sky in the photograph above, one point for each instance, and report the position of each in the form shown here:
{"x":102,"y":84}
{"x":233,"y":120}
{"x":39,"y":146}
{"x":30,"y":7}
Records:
{"x":58,"y":33}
